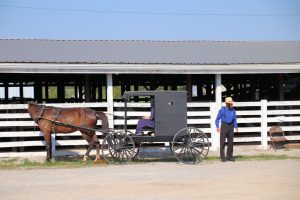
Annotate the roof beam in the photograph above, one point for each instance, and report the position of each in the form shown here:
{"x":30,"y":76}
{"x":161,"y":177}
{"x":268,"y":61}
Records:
{"x":147,"y":68}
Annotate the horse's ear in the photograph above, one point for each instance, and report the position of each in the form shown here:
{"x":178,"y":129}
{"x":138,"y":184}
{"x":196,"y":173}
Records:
{"x":32,"y":102}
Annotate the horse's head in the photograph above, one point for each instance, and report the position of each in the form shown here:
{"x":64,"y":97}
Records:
{"x":33,"y":109}
{"x":31,"y":105}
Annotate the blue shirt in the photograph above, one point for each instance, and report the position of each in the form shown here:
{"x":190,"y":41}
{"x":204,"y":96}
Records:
{"x":226,"y":115}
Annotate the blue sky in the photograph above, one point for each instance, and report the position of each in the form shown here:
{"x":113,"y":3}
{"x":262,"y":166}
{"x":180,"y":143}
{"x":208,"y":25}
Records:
{"x":224,"y":20}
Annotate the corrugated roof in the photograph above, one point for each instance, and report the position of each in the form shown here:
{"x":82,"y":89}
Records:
{"x":148,"y":52}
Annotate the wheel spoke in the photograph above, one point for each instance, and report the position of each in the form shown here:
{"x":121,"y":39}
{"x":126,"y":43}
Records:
{"x":127,"y":157}
{"x":129,"y":150}
{"x":199,"y":157}
{"x":198,"y":144}
{"x":196,"y":151}
{"x":130,"y":154}
{"x":122,"y":156}
{"x":195,"y":159}
{"x":178,"y":147}
{"x":183,"y":149}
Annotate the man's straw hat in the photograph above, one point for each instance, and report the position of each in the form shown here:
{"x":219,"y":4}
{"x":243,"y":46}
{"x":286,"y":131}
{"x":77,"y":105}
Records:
{"x":228,"y":100}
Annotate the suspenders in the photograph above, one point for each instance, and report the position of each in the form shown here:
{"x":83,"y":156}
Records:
{"x":224,"y":114}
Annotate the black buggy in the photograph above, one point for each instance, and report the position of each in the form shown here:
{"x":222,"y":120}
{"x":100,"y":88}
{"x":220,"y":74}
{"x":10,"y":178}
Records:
{"x":188,"y":144}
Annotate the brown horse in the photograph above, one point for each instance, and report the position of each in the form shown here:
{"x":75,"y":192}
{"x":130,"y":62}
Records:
{"x":86,"y":118}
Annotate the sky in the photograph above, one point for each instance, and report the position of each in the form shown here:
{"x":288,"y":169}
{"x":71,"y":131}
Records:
{"x":221,"y":20}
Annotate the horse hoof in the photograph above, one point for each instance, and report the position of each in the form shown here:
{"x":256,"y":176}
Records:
{"x":85,"y":158}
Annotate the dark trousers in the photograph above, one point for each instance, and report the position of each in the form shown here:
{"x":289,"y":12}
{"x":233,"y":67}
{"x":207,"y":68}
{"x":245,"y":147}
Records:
{"x":226,"y":132}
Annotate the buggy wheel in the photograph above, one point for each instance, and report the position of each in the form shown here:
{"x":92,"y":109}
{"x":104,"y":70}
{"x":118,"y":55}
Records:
{"x":190,"y":145}
{"x":137,"y":145}
{"x":118,"y":148}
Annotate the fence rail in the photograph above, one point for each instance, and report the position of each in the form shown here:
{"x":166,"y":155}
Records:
{"x":19,"y":135}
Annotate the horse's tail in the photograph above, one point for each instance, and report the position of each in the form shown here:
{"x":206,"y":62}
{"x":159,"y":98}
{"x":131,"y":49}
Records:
{"x":102,"y":116}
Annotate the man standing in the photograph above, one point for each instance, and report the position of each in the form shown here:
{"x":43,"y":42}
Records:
{"x":227,"y":115}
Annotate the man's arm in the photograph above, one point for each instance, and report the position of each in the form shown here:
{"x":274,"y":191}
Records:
{"x":235,"y":122}
{"x":218,"y":118}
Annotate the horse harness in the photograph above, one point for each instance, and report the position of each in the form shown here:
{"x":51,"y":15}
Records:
{"x":54,"y":121}
{"x":41,"y":113}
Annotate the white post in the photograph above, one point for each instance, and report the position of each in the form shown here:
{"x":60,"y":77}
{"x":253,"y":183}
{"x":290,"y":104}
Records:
{"x":218,"y":90}
{"x":215,"y":136}
{"x":264,"y":125}
{"x":110,"y":100}
{"x":53,"y":145}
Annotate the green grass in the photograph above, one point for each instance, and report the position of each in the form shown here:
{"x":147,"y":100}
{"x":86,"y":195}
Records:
{"x":76,"y":162}
{"x":29,"y":164}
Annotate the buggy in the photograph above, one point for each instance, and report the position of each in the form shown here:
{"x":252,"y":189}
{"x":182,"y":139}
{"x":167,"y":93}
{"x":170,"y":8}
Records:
{"x":188,"y":144}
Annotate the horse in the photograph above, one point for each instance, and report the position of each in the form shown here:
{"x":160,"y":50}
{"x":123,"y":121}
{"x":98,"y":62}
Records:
{"x":67,"y":120}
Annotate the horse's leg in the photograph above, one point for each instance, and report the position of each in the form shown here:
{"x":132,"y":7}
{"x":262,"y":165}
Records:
{"x":88,"y":138}
{"x":97,"y":143}
{"x":47,"y":137}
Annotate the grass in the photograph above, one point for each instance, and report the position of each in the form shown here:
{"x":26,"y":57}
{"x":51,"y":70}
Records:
{"x":29,"y":164}
{"x":76,"y":162}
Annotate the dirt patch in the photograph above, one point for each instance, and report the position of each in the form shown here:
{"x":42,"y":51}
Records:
{"x":212,"y":179}
{"x":276,"y":179}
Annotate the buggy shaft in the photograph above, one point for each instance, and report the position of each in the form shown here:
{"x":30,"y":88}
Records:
{"x":74,"y":126}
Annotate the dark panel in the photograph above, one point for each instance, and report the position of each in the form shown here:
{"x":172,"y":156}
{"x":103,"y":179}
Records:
{"x":170,"y":112}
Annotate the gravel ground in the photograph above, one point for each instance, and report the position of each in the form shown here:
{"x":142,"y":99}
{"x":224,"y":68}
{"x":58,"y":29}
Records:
{"x":238,"y":151}
{"x":275,"y":179}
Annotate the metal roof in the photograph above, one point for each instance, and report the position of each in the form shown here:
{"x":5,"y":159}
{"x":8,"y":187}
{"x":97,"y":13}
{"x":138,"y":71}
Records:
{"x":149,"y":52}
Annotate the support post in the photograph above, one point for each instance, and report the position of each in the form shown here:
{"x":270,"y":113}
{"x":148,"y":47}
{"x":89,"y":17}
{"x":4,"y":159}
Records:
{"x":215,"y":136}
{"x":53,"y":145}
{"x":38,"y":91}
{"x":264,"y":125}
{"x":189,"y":87}
{"x":218,"y":91}
{"x":61,"y":91}
{"x":87,"y":88}
{"x":46,"y":91}
{"x":6,"y":85}
{"x":280,"y":88}
{"x":110,"y":99}
{"x":21,"y":92}
{"x":80,"y":95}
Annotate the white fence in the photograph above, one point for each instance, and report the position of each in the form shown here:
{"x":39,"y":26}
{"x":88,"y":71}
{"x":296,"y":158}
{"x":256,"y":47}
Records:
{"x":19,"y":137}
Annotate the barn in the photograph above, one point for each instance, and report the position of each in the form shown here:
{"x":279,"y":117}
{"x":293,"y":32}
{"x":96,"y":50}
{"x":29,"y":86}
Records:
{"x":257,"y":74}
